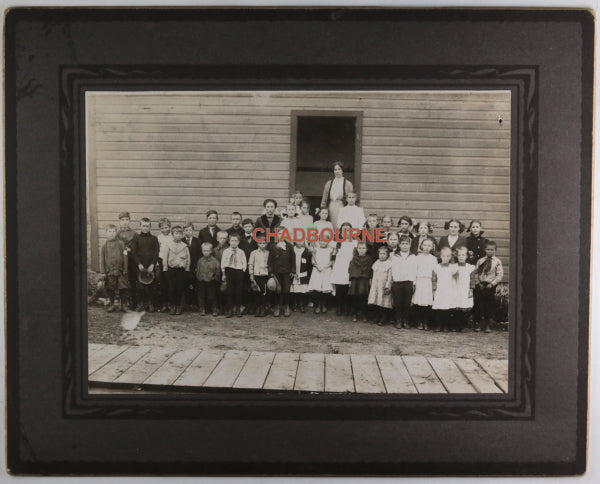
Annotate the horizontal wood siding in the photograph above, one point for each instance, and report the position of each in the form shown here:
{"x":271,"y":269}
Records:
{"x":431,"y":155}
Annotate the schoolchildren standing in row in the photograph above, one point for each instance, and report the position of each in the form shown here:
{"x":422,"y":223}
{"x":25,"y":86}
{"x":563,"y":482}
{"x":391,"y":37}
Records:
{"x":113,"y":264}
{"x":359,"y":273}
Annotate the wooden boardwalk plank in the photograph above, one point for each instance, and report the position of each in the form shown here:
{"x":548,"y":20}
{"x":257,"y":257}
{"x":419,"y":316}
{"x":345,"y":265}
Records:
{"x":115,"y":368}
{"x":395,"y":375}
{"x":103,"y":356}
{"x":482,"y":382}
{"x":145,"y":366}
{"x":422,"y":374}
{"x":498,"y":370}
{"x":367,"y":377}
{"x":282,"y":375}
{"x":255,"y":371}
{"x":451,"y":376}
{"x":93,"y":347}
{"x":172,"y":368}
{"x":200,"y":369}
{"x":228,"y":369}
{"x":311,"y":373}
{"x":338,"y":374}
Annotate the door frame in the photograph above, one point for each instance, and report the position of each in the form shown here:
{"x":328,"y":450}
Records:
{"x":358,"y":115}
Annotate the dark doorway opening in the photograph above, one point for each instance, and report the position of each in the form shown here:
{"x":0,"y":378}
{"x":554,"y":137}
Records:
{"x":319,"y":139}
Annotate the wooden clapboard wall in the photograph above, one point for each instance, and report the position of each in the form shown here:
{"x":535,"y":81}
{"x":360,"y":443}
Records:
{"x":431,"y":155}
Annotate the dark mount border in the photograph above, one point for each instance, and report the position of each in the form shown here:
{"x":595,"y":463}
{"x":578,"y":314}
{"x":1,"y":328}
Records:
{"x":518,"y":404}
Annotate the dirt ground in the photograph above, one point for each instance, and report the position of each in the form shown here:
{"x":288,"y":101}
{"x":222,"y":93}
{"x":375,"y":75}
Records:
{"x":299,"y":333}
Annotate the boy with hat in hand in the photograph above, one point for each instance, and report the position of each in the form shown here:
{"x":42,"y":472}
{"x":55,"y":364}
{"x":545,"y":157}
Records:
{"x":144,"y":252}
{"x":126,"y":235}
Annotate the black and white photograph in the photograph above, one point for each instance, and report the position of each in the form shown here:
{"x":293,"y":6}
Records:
{"x":186,"y":294}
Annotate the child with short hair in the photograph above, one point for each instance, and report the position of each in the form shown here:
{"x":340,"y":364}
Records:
{"x":144,"y":252}
{"x":301,"y":276}
{"x":380,"y":294}
{"x":236,"y":224}
{"x":321,"y":274}
{"x":113,"y":264}
{"x":404,"y":225}
{"x":444,"y":300}
{"x":291,"y":221}
{"x":340,"y":278}
{"x":386,"y":224}
{"x":404,"y":272}
{"x":282,"y":265}
{"x":222,"y":244}
{"x":126,"y":234}
{"x":233,"y":265}
{"x":164,"y":225}
{"x":476,"y":242}
{"x":464,"y":294}
{"x":424,"y":231}
{"x":177,"y":263}
{"x":490,"y":273}
{"x":209,"y":233}
{"x":351,"y":213}
{"x":258,"y":267}
{"x":208,"y":275}
{"x":359,"y":273}
{"x":422,"y":301}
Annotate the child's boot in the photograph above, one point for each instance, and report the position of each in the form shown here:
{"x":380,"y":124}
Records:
{"x":178,"y":310}
{"x":286,"y":311}
{"x":123,"y":300}
{"x":173,"y":311}
{"x":238,"y":312}
{"x":276,"y":310}
{"x":486,"y":325}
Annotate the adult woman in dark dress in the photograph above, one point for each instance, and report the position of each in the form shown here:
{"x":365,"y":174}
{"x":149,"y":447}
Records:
{"x":334,"y":192}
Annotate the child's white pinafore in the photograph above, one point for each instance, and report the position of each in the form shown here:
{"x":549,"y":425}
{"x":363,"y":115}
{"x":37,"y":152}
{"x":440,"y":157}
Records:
{"x":446,"y":290}
{"x":464,"y":300}
{"x":423,"y":295}
{"x":339,"y":273}
{"x":321,"y":281}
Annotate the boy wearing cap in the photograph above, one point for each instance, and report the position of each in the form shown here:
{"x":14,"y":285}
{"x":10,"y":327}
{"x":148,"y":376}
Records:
{"x":126,"y":235}
{"x":144,"y":252}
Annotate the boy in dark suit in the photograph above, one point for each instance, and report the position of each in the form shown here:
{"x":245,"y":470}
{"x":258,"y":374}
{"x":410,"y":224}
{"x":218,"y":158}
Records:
{"x":194,"y":246}
{"x":269,"y":220}
{"x":248,"y":245}
{"x":236,"y":224}
{"x":126,"y":235}
{"x":144,"y":252}
{"x":209,"y":233}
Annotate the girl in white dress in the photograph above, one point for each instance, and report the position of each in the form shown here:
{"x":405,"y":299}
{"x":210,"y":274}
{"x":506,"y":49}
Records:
{"x":351,"y":213}
{"x":444,"y":300}
{"x":423,"y":296}
{"x":464,"y":293}
{"x":339,"y":274}
{"x":321,"y":275}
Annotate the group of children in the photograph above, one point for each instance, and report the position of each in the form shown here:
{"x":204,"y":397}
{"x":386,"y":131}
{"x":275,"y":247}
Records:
{"x":411,"y":279}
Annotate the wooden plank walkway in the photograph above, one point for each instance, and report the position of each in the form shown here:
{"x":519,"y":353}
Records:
{"x":152,"y":369}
